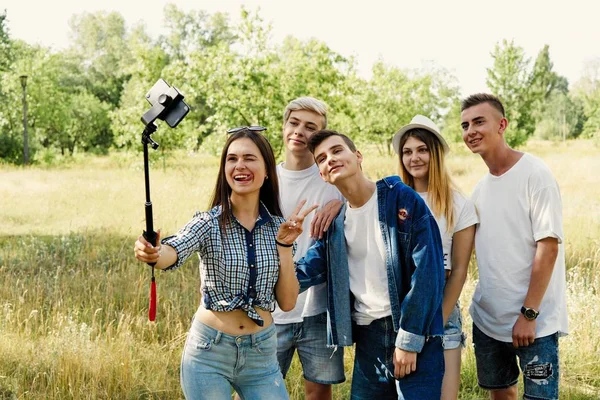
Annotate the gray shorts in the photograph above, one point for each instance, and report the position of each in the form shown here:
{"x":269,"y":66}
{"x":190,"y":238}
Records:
{"x":320,"y":364}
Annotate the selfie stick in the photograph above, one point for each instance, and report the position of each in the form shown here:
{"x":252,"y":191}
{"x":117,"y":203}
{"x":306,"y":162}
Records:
{"x":149,"y":233}
{"x":158,"y":110}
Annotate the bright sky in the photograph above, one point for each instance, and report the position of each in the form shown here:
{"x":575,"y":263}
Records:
{"x":455,"y":34}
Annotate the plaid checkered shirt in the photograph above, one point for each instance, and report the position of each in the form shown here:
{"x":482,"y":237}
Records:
{"x":238,"y":270}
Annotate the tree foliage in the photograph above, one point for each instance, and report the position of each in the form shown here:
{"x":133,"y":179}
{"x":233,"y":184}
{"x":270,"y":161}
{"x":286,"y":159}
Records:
{"x":100,"y":44}
{"x":90,"y":97}
{"x":587,"y":93}
{"x":6,"y":52}
{"x":509,"y":79}
{"x":536,"y":99}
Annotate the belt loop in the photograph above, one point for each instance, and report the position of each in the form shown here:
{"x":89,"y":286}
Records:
{"x":253,"y":339}
{"x":218,"y":338}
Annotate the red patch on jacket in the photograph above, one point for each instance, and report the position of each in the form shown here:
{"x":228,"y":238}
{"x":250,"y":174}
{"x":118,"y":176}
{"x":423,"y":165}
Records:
{"x":402,"y":215}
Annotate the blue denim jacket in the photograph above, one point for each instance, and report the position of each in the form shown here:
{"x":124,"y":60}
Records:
{"x":414,"y":261}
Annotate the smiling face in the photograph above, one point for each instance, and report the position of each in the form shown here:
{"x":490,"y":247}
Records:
{"x":415,"y":158}
{"x":483,"y":128}
{"x":336,"y":161}
{"x":299,"y":127}
{"x":245,"y":168}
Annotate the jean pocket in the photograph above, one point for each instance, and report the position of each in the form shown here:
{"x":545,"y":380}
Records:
{"x":199,"y":342}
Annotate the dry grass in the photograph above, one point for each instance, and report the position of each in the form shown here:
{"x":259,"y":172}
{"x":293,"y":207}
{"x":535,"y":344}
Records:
{"x":73,"y":300}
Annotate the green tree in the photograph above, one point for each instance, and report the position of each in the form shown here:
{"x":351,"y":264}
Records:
{"x":509,"y":79}
{"x":61,"y":115}
{"x":150,"y":61}
{"x":559,"y":118}
{"x":543,"y":82}
{"x":10,"y":145}
{"x":194,"y":48}
{"x":193,"y":31}
{"x":251,"y":83}
{"x":239,"y":84}
{"x":6,"y":51}
{"x":11,"y":114}
{"x":100,"y":42}
{"x":450,"y":126}
{"x":393,"y":96}
{"x":312,"y":68}
{"x":88,"y":125}
{"x":587,"y":92}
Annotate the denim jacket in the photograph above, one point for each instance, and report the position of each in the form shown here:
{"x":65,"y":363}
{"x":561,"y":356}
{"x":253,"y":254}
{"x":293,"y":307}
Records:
{"x":414,"y":262}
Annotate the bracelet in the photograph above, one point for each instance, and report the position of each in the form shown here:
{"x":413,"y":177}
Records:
{"x":283,"y":244}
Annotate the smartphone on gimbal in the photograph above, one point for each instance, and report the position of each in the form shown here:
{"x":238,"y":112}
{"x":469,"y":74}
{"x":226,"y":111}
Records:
{"x":176,"y":109}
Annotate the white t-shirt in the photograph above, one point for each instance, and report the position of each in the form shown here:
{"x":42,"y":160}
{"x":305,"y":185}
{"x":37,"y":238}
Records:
{"x":366,"y":263}
{"x":517,"y":209}
{"x":295,"y":186}
{"x":465,"y":215}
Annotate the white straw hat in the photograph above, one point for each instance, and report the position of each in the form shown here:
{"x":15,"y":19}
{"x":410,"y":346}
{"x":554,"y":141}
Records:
{"x":419,"y":121}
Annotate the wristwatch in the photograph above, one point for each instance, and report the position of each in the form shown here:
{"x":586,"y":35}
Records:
{"x":529,"y":313}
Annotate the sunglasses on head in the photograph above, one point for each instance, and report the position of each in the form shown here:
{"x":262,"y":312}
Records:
{"x":247,"y":128}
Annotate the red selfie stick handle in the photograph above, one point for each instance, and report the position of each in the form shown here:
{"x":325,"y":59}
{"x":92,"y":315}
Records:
{"x":152,"y":309}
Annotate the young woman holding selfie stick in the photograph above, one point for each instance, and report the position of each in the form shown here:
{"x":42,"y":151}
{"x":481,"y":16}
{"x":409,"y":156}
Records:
{"x":245,"y":249}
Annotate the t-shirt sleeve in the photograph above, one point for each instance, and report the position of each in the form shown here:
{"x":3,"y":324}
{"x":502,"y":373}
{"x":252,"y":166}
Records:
{"x":546,"y":213}
{"x":467,"y":216}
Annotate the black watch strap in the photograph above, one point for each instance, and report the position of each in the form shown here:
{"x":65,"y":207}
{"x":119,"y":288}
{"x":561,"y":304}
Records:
{"x":529,"y":313}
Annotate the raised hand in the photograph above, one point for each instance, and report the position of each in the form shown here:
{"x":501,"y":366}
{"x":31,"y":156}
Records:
{"x":292,"y":227}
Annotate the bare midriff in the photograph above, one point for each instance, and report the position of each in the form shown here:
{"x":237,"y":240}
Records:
{"x":234,"y":322}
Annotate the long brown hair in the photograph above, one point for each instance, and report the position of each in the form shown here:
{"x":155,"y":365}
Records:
{"x":269,"y":191}
{"x":439,"y":183}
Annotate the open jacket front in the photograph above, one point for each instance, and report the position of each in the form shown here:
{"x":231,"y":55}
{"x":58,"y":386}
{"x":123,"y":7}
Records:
{"x":414,"y":262}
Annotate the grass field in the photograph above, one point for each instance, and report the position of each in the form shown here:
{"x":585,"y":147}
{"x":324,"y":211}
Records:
{"x":73,"y":300}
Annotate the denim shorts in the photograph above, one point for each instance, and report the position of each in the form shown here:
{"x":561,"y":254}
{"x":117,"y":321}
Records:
{"x":213,"y":362}
{"x":320,"y":364}
{"x":373,"y":376}
{"x":453,"y":331}
{"x":497,"y":365}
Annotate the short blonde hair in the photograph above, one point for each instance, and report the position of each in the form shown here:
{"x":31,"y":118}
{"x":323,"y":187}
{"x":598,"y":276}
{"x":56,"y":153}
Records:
{"x":309,"y":104}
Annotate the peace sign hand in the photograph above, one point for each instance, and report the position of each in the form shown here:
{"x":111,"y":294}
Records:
{"x":292,"y":227}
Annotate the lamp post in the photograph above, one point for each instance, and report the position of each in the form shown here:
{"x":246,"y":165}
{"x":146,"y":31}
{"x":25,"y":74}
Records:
{"x":25,"y":141}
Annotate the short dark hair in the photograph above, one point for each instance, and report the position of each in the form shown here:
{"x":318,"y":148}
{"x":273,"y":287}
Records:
{"x":479,"y":98}
{"x":323,"y":134}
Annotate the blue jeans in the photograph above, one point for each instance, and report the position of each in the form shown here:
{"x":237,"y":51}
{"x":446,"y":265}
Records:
{"x":320,"y":364}
{"x":373,"y":376}
{"x":213,"y":362}
{"x":497,"y":365}
{"x":453,"y":331}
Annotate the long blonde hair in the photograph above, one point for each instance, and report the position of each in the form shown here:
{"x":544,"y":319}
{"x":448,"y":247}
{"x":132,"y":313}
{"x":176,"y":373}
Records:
{"x":439,"y":183}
